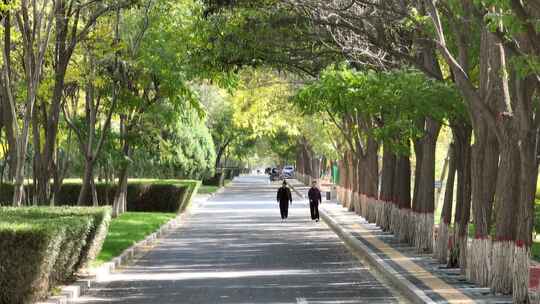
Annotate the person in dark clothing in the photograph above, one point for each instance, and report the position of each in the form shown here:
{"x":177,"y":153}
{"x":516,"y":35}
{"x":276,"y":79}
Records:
{"x":284,"y":197}
{"x":314,"y":196}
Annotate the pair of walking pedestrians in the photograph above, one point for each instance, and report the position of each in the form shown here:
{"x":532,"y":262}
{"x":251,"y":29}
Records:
{"x":284,"y":198}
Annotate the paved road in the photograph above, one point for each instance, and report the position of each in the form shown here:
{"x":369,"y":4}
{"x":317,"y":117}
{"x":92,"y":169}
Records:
{"x":235,"y":249}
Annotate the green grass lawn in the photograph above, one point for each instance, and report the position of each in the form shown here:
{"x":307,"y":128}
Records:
{"x":128,"y":229}
{"x":204,"y":189}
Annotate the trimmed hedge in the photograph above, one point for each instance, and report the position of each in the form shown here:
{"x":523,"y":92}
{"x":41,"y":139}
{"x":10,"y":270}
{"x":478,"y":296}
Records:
{"x":191,"y":190}
{"x":144,"y":195}
{"x":26,"y":260}
{"x":222,"y":174}
{"x":43,"y":247}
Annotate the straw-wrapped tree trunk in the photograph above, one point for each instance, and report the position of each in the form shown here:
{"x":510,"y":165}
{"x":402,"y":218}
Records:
{"x":462,"y":136}
{"x":424,"y":192}
{"x":515,"y":123}
{"x":484,"y":166}
{"x":402,"y":222}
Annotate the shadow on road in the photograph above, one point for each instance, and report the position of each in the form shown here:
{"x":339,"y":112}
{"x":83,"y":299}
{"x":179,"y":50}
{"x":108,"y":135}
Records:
{"x":235,"y":249}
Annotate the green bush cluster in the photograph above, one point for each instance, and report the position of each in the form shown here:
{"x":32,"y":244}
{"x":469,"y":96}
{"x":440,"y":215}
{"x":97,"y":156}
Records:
{"x":144,"y":195}
{"x":41,"y":247}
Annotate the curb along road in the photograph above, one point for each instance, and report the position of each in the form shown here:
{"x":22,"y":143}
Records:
{"x":405,"y":287}
{"x":411,"y":292}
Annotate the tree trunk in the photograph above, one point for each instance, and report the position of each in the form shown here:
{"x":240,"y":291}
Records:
{"x":462,"y":135}
{"x":401,"y":219}
{"x":418,"y":152}
{"x":88,"y":178}
{"x":395,"y":213}
{"x":425,"y":202}
{"x":22,"y":146}
{"x":219,"y":154}
{"x":18,"y":190}
{"x":342,"y":179}
{"x":350,"y":180}
{"x":506,"y":195}
{"x":62,"y":161}
{"x":361,"y":172}
{"x":298,"y":163}
{"x":41,"y":184}
{"x":3,"y":168}
{"x":484,"y":167}
{"x":371,"y":179}
{"x":109,"y":179}
{"x":46,"y":164}
{"x":34,"y":50}
{"x":316,"y":165}
{"x":95,"y":201}
{"x":516,"y":134}
{"x":307,"y":159}
{"x":120,"y":203}
{"x":387,"y":186}
{"x":523,"y":91}
{"x":345,"y":178}
{"x":7,"y":119}
{"x":513,"y":114}
{"x":64,"y":46}
{"x":355,"y":185}
{"x":443,"y":241}
{"x":522,"y":254}
{"x":7,"y":114}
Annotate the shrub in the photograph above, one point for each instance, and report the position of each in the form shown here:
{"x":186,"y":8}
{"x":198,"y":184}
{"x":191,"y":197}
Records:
{"x":6,"y":194}
{"x":69,"y":194}
{"x":42,"y":247}
{"x":148,"y":195}
{"x":96,"y":235}
{"x":101,"y":218}
{"x":76,"y":231}
{"x":27,"y":256}
{"x":151,"y":198}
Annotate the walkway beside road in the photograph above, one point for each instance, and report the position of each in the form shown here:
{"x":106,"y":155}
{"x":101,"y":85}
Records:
{"x":416,"y":274}
{"x":235,"y":249}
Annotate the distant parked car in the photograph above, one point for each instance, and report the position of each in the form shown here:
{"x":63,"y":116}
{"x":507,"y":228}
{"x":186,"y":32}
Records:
{"x":288,"y":171}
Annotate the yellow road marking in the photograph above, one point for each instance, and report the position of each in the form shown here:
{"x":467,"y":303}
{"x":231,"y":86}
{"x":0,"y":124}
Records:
{"x":448,"y":292}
